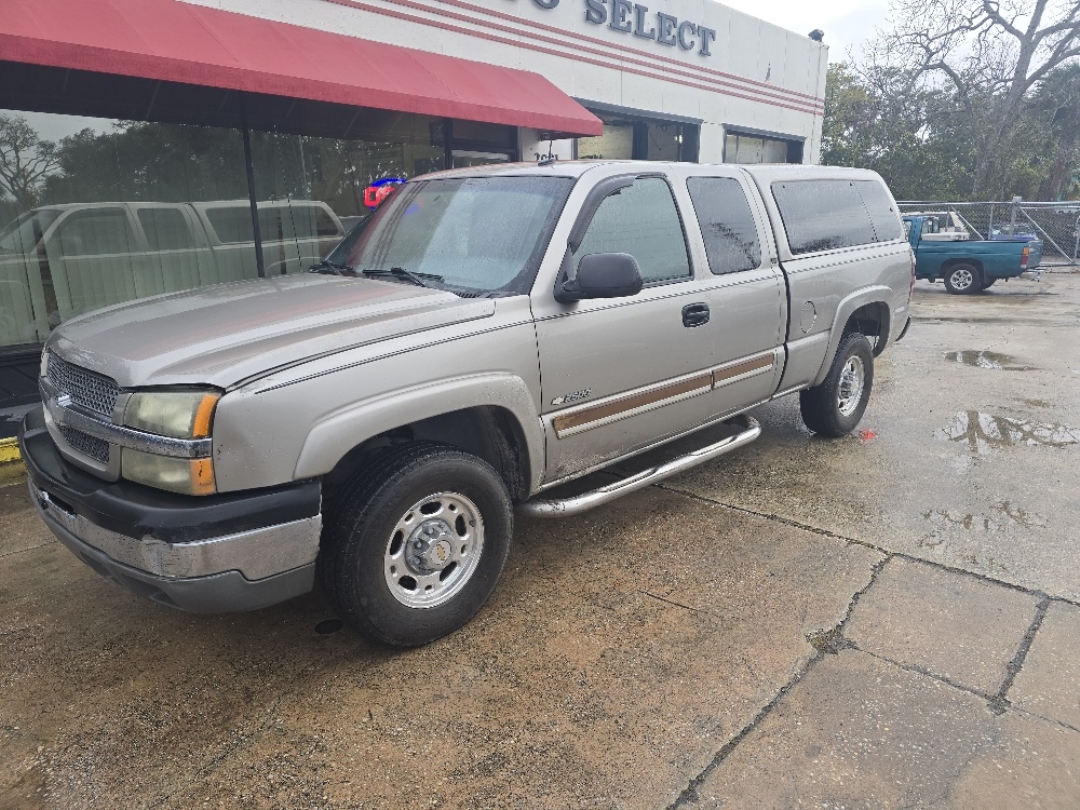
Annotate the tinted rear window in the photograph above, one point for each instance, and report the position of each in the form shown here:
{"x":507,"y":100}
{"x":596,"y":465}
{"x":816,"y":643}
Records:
{"x":879,"y":206}
{"x":727,"y":226}
{"x":823,"y":215}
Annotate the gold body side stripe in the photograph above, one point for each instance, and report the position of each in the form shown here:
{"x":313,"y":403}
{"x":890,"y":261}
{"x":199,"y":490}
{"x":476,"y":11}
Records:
{"x":604,"y":413}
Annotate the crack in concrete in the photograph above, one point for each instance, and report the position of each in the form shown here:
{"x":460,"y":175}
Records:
{"x":1037,"y":716}
{"x":671,"y":602}
{"x":918,"y":670}
{"x":880,"y":549}
{"x":831,"y":641}
{"x":30,"y":548}
{"x":823,"y":642}
{"x":1000,"y":702}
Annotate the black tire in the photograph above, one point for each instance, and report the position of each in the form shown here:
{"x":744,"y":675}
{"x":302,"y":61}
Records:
{"x":367,"y":537}
{"x":963,"y":279}
{"x":832,"y":409}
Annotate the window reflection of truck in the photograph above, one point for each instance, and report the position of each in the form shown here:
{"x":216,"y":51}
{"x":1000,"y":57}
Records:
{"x":57,"y":261}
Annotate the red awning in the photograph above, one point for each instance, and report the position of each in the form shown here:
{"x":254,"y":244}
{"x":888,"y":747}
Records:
{"x":174,"y":41}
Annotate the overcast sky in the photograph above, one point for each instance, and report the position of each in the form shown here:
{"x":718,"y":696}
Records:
{"x":845,"y":22}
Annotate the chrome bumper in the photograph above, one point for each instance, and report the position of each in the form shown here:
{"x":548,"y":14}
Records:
{"x":255,"y":554}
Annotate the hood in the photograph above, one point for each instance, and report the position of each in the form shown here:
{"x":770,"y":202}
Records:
{"x":223,"y":334}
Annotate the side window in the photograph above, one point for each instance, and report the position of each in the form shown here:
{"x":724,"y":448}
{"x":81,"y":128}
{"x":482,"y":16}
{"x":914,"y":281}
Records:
{"x":880,"y":207}
{"x":727,"y":226}
{"x":232,"y":225}
{"x":822,"y":215}
{"x":324,"y":225}
{"x":641,"y":220}
{"x":98,"y":232}
{"x":165,"y":229}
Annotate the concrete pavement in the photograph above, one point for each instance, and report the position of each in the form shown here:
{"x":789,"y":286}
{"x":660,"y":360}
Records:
{"x":883,"y":621}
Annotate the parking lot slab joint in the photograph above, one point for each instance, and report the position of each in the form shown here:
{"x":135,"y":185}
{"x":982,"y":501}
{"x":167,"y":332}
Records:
{"x":824,"y":642}
{"x":1000,"y":701}
{"x":856,"y":542}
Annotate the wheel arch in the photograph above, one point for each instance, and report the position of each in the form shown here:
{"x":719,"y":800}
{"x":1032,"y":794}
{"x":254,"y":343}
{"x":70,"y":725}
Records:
{"x":949,"y":264}
{"x":865,"y":311}
{"x":488,"y":417}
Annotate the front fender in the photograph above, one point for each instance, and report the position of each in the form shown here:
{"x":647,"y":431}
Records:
{"x":878,"y":294}
{"x":331,"y":438}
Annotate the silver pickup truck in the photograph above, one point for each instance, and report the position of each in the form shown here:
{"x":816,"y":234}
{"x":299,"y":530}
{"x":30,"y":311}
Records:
{"x":485,"y":336}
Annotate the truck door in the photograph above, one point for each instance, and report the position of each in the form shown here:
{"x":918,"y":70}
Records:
{"x":746,"y":294}
{"x":618,"y":374}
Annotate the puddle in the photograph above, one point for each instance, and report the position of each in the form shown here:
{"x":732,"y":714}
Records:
{"x":984,"y":432}
{"x":984,"y":359}
{"x":1000,"y":517}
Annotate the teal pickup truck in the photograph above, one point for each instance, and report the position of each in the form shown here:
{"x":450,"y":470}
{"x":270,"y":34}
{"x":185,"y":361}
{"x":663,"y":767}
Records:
{"x":966,"y":265}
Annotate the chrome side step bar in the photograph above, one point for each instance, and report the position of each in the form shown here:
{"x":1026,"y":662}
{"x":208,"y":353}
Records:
{"x":588,"y":500}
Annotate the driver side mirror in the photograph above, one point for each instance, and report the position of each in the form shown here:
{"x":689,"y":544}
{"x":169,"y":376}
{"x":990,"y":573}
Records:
{"x":601,"y":275}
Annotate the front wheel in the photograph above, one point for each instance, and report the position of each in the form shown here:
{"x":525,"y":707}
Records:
{"x":835,"y":407}
{"x":415,"y":544}
{"x":961,"y":279}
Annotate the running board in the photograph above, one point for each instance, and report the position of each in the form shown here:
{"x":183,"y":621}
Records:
{"x":588,"y":500}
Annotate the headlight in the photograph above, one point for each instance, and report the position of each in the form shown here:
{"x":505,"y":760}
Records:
{"x":179,"y":415}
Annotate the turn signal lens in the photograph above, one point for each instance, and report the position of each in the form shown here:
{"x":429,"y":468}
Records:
{"x":194,"y":476}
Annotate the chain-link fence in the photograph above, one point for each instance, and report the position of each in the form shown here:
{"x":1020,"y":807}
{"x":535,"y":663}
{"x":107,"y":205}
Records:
{"x":1056,"y":224}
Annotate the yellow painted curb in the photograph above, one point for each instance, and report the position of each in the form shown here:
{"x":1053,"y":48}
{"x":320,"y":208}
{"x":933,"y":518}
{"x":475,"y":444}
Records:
{"x":9,"y":450}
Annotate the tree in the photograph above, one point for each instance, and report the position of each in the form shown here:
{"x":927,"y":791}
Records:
{"x":914,"y":137}
{"x":1058,"y":101}
{"x":991,"y":53}
{"x":25,"y":160}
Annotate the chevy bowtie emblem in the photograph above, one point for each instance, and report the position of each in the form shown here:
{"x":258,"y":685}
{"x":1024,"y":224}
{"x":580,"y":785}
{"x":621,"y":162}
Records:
{"x":63,"y":400}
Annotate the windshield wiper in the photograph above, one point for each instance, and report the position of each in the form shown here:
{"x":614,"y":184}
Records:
{"x":419,"y":279}
{"x":327,"y":267}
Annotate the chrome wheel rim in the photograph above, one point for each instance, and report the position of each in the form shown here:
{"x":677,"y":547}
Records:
{"x":433,"y":550}
{"x":852,"y":380}
{"x":962,"y":278}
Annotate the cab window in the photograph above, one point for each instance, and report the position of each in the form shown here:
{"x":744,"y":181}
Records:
{"x":641,"y":220}
{"x":727,"y":226}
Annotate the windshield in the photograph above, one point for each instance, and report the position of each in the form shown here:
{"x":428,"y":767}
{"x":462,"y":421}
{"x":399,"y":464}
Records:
{"x":483,"y":234}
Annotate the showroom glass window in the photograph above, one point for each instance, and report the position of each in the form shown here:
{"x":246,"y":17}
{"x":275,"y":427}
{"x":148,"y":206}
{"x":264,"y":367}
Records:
{"x":113,"y":210}
{"x":109,"y":211}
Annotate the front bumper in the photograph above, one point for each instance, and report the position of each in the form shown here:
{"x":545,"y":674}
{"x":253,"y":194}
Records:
{"x":219,"y":553}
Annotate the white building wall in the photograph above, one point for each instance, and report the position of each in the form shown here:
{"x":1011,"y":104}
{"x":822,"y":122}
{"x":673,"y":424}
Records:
{"x":756,"y":75}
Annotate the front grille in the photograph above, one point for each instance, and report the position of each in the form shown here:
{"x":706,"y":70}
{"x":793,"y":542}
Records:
{"x":92,"y":391}
{"x":84,"y":443}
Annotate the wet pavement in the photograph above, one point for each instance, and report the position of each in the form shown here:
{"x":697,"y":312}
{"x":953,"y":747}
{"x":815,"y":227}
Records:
{"x":889,"y":620}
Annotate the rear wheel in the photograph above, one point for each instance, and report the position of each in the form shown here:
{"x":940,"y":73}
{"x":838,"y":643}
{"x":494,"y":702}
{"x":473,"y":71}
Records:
{"x":415,"y":544}
{"x":835,"y":407}
{"x":963,"y":278}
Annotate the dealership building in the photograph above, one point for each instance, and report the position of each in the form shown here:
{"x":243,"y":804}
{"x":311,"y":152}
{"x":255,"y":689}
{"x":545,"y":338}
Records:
{"x":148,"y":146}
